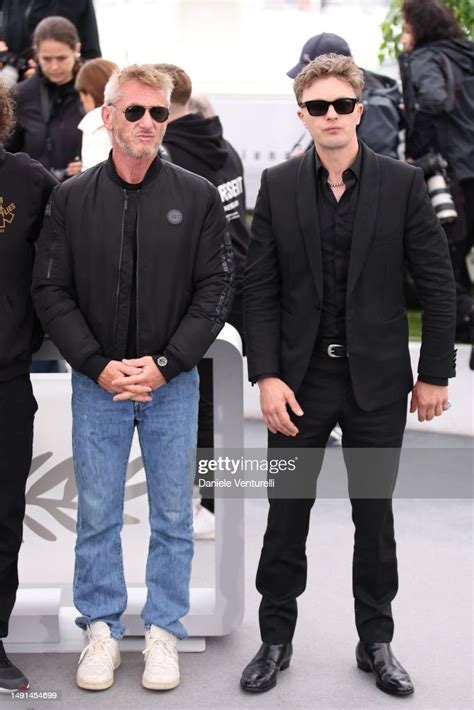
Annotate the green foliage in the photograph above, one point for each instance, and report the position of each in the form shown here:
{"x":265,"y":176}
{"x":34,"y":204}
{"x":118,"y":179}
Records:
{"x":414,"y":324}
{"x":392,"y":25}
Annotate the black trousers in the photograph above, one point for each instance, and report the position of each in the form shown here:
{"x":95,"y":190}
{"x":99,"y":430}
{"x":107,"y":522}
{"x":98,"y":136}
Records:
{"x":17,"y":411}
{"x":327,"y":398}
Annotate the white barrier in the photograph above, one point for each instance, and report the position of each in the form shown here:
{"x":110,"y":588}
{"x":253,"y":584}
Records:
{"x":43,"y":618}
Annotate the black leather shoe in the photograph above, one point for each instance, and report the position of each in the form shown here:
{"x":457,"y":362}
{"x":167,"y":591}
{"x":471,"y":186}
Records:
{"x":391,"y":677}
{"x":261,"y":673}
{"x":11,"y":678}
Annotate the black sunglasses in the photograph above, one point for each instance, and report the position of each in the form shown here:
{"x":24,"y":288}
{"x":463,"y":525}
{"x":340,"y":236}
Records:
{"x":136,"y":112}
{"x":319,"y":107}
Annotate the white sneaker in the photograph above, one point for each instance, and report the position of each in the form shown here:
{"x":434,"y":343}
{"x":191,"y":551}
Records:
{"x":99,"y":658}
{"x":161,"y":660}
{"x":203,"y":522}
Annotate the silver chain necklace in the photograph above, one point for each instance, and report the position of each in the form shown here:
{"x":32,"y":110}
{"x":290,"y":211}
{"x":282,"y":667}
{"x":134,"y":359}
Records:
{"x":339,"y":183}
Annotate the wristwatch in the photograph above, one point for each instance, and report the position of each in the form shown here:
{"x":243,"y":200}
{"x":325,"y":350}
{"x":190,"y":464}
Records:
{"x":161,"y":361}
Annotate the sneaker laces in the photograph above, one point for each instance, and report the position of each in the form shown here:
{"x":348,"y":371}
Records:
{"x":97,"y":653}
{"x":160,"y":652}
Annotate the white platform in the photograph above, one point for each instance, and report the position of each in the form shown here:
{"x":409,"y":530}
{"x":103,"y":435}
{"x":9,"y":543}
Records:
{"x":44,"y":622}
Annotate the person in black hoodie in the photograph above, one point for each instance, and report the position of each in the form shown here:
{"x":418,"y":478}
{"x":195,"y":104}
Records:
{"x":196,"y":143}
{"x":437,"y":73}
{"x":49,"y":108}
{"x":24,"y":191}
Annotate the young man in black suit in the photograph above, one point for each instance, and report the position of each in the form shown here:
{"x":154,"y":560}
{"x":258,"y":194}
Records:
{"x":327,"y":342}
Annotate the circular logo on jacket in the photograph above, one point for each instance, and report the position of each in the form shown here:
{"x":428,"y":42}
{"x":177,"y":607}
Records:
{"x":175,"y":217}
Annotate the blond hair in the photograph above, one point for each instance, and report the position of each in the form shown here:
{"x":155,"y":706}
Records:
{"x":146,"y":74}
{"x":326,"y":65}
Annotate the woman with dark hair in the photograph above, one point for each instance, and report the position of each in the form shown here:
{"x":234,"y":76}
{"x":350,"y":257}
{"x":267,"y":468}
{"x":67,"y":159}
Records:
{"x":437,"y":71}
{"x":90,"y":83}
{"x":19,"y":18}
{"x":48,"y":106}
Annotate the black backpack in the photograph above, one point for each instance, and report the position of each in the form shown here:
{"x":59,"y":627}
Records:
{"x":381,"y":121}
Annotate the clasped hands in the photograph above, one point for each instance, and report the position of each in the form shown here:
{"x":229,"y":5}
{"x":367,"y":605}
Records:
{"x":131,"y":379}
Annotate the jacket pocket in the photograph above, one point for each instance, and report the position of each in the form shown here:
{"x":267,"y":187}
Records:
{"x":396,"y":315}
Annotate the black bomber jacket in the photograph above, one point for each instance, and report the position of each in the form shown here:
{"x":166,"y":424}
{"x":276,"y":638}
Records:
{"x":184,"y":268}
{"x":25,"y":187}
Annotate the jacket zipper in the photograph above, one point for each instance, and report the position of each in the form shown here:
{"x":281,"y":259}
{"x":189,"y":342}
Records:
{"x":136,"y":275}
{"x":117,"y":293}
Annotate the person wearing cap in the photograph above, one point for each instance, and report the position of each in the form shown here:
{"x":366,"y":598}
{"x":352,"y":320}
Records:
{"x":324,"y":43}
{"x":327,"y":342}
{"x":381,"y":121}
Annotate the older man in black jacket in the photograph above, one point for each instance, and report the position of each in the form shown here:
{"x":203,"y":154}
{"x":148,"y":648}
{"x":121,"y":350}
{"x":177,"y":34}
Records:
{"x":133,"y":282}
{"x":327,"y":342}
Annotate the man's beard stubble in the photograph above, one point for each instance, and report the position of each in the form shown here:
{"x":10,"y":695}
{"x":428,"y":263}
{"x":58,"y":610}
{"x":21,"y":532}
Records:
{"x":129,"y":150}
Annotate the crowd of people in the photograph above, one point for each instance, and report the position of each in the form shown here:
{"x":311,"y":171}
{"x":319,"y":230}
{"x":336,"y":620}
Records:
{"x":122,"y":213}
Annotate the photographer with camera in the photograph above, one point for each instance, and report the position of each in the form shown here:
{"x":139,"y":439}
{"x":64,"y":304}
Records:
{"x":49,"y":108}
{"x":18,"y":19}
{"x":437,"y":70}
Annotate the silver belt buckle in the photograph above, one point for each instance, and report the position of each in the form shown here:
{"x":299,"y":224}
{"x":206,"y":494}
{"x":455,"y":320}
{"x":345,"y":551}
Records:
{"x":332,"y":350}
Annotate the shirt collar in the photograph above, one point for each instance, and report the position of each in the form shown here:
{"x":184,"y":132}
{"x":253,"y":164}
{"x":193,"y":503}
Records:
{"x":151,"y":174}
{"x":355,"y":167}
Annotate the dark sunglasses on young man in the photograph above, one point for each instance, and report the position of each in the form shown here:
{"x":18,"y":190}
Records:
{"x":319,"y":107}
{"x":136,"y":112}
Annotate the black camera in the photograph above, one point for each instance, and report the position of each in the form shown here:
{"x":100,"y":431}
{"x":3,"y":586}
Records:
{"x":434,"y":169}
{"x":18,"y":62}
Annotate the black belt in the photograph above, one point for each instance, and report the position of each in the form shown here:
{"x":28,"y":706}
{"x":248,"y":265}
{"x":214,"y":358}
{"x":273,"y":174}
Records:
{"x":331,"y":349}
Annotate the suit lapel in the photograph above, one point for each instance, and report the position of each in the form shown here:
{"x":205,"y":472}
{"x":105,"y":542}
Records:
{"x":365,"y":217}
{"x":308,"y":217}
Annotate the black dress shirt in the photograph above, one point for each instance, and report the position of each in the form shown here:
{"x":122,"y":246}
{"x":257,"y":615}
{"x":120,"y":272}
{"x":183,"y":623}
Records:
{"x":336,"y":223}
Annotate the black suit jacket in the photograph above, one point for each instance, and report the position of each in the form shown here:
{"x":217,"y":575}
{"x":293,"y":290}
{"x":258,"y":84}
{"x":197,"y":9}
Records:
{"x":283,"y":286}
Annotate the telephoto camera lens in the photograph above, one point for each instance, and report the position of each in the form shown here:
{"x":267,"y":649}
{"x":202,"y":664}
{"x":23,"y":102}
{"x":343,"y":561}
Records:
{"x":441,"y":199}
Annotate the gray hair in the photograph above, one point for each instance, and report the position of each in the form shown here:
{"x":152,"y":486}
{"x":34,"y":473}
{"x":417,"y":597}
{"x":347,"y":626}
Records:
{"x":143,"y":73}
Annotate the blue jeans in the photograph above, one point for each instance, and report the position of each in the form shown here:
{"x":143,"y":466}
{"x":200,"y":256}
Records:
{"x":102,"y":437}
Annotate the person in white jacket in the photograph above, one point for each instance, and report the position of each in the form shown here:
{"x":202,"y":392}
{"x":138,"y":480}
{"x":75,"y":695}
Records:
{"x":90,"y":83}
